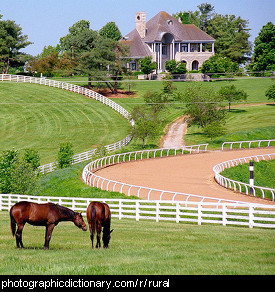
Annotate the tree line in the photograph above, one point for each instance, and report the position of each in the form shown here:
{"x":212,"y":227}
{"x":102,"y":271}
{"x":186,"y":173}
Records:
{"x":99,"y":53}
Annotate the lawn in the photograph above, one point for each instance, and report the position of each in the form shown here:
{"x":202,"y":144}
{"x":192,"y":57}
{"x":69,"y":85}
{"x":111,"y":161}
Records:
{"x":264,"y":173}
{"x":140,"y":248}
{"x":39,"y":117}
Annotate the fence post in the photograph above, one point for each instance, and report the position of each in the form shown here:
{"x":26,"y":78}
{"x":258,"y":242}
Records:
{"x":177,"y":212}
{"x":157,"y":211}
{"x":120,"y":210}
{"x":251,"y":180}
{"x":251,"y":216}
{"x":137,"y":210}
{"x":224,"y":215}
{"x":199,"y":214}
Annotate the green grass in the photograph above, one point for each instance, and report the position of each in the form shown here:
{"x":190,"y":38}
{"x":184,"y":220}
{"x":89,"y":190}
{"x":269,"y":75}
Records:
{"x":140,"y":248}
{"x":40,"y":117}
{"x":67,"y":183}
{"x":243,"y":123}
{"x":264,"y":173}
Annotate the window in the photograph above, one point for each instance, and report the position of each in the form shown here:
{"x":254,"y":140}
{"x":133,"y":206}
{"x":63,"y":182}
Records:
{"x":184,"y":47}
{"x":170,"y":22}
{"x":164,"y":49}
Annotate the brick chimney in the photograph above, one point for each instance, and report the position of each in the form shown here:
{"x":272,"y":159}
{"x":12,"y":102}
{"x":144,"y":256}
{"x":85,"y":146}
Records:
{"x":141,"y":23}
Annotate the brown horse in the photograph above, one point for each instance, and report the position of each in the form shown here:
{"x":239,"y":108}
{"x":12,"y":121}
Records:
{"x":48,"y":215}
{"x":98,"y":216}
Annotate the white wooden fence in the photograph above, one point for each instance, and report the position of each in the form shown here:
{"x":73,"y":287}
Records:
{"x":250,"y":215}
{"x":240,"y":186}
{"x":248,"y":144}
{"x":92,"y":179}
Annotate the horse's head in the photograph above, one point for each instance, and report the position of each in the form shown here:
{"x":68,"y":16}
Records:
{"x":79,"y":222}
{"x":106,"y":237}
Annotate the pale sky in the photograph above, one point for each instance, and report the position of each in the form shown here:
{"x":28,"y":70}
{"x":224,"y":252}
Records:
{"x":46,"y":21}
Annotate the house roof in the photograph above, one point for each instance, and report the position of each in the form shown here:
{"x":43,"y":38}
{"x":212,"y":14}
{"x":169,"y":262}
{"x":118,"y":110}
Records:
{"x":157,"y":27}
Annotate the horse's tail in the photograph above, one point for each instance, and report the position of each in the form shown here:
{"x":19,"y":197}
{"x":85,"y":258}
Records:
{"x":13,"y":223}
{"x":93,"y":219}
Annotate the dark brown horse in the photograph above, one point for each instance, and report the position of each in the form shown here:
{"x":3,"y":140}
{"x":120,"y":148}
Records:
{"x":98,"y":216}
{"x":48,"y":215}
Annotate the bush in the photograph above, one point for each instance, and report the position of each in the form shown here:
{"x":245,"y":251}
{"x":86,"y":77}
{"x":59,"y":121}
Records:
{"x":65,"y":155}
{"x":17,"y":176}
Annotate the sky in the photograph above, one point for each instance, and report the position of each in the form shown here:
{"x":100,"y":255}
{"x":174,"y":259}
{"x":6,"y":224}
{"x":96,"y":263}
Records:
{"x":46,"y":21}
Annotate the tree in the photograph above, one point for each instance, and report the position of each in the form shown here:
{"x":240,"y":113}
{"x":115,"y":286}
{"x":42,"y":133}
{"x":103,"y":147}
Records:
{"x":110,"y":31}
{"x":65,"y":155}
{"x":219,"y":64}
{"x":12,"y":41}
{"x":106,"y":58}
{"x":231,"y":93}
{"x":175,"y":67}
{"x":18,"y":176}
{"x":214,"y":129}
{"x":264,"y":51}
{"x":207,"y":11}
{"x":156,"y":100}
{"x":146,"y":123}
{"x":203,"y":106}
{"x":147,"y":66}
{"x":32,"y":157}
{"x":231,"y":34}
{"x":270,"y":93}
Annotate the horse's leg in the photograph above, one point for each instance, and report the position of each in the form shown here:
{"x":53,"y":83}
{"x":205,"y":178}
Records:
{"x":49,"y":230}
{"x":91,"y":235}
{"x":98,"y":231}
{"x":18,"y":235}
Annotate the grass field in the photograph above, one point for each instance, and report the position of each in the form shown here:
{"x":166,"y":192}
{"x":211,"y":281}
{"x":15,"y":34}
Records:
{"x":138,"y":248}
{"x":264,"y":173}
{"x":40,"y":117}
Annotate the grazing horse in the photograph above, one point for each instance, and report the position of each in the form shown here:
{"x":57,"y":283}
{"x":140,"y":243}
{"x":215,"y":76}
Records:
{"x":98,"y":216}
{"x":48,"y":215}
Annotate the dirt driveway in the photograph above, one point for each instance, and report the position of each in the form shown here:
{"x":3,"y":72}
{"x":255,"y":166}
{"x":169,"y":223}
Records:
{"x":191,"y":174}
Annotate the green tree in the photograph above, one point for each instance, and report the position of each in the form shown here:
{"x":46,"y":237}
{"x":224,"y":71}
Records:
{"x":203,"y":106}
{"x":270,"y":93}
{"x":147,"y":124}
{"x":110,"y":31}
{"x":214,"y":129}
{"x":32,"y":157}
{"x":231,"y":93}
{"x":12,"y":40}
{"x":264,"y":51}
{"x":147,"y":66}
{"x":175,"y":67}
{"x":231,"y":34}
{"x":79,"y":39}
{"x":65,"y":155}
{"x":220,"y":65}
{"x":17,"y":175}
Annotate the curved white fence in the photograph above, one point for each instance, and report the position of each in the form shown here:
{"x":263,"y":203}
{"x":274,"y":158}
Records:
{"x":90,"y":177}
{"x":80,"y":90}
{"x":250,"y":215}
{"x":240,"y":186}
{"x":258,"y":143}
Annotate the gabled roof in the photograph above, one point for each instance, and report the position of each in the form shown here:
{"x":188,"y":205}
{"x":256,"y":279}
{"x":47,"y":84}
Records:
{"x":156,"y":28}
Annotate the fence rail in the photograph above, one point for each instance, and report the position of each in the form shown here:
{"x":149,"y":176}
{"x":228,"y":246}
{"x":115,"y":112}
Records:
{"x":240,"y":144}
{"x":240,"y":186}
{"x":80,"y":90}
{"x":250,"y":215}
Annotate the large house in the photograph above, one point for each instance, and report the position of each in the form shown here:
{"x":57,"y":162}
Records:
{"x":165,"y":38}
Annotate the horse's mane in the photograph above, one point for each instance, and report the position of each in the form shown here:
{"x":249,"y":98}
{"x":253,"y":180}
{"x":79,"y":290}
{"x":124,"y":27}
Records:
{"x":65,"y":211}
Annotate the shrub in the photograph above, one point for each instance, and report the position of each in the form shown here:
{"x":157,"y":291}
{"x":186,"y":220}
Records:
{"x":65,"y":155}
